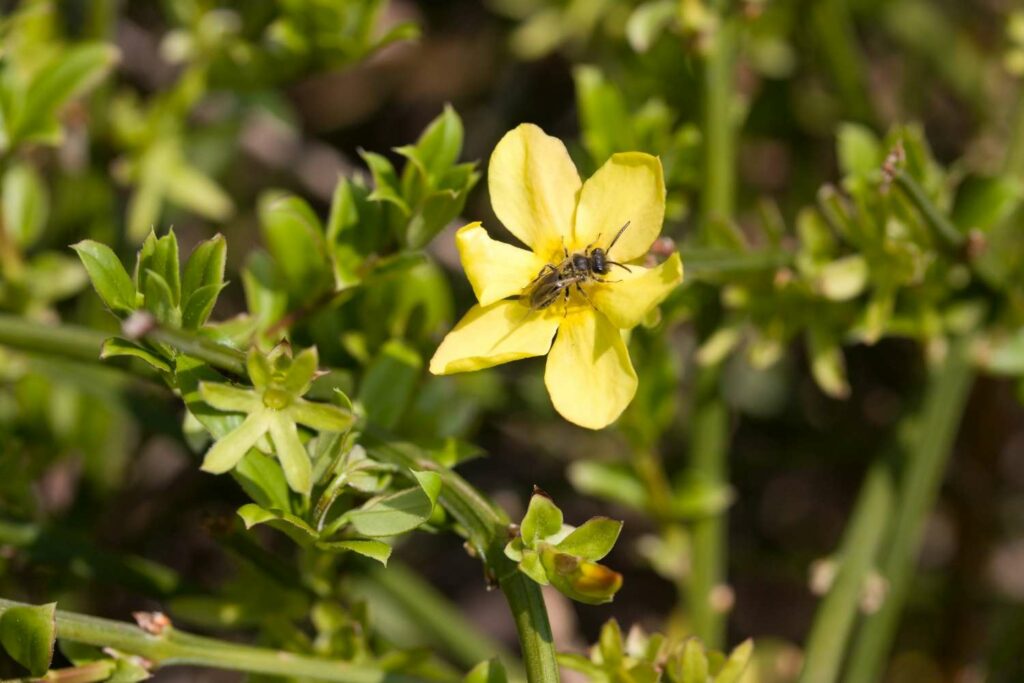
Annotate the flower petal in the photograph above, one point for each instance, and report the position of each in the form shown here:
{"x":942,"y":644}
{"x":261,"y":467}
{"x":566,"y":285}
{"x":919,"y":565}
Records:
{"x":228,"y":450}
{"x":629,"y":187}
{"x":229,"y":398}
{"x":495,"y":269}
{"x":490,"y":335}
{"x":589,"y":375}
{"x":323,"y":417}
{"x":291,"y":453}
{"x":627,"y":302}
{"x":533,"y":185}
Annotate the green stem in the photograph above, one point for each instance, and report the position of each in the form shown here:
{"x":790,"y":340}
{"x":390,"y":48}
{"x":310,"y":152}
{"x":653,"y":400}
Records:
{"x":433,"y":614}
{"x":709,"y":432}
{"x":919,"y":487}
{"x":217,"y":355}
{"x":837,"y":613}
{"x":946,"y":234}
{"x":78,"y":343}
{"x":838,"y":41}
{"x":173,"y":647}
{"x":719,"y":124}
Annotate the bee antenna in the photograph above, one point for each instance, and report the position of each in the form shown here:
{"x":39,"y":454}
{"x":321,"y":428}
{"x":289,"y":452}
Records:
{"x":617,"y":236}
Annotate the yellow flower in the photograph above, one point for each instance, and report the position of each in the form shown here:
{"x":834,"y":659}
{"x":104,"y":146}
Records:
{"x":537,"y":194}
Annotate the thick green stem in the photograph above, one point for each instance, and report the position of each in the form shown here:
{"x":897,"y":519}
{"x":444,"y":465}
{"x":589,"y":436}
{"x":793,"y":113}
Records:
{"x":837,"y":613}
{"x":919,"y":487}
{"x":177,"y":647}
{"x":709,"y":431}
{"x":709,"y":264}
{"x":78,"y":343}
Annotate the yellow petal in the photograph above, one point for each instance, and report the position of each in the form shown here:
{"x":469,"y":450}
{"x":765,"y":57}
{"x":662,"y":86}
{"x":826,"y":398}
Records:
{"x":589,"y":375}
{"x":628,"y":301}
{"x":495,"y":269}
{"x":628,"y":187}
{"x":490,"y":335}
{"x":533,"y":185}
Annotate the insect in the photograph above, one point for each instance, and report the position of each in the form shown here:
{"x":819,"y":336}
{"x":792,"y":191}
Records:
{"x":575,"y":269}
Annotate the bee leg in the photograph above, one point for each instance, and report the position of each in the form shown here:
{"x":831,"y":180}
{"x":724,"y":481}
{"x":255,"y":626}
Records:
{"x":607,"y":282}
{"x":596,"y":240}
{"x":620,"y":265}
{"x":586,"y":296}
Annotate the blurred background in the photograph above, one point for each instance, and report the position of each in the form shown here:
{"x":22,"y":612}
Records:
{"x":213,"y":103}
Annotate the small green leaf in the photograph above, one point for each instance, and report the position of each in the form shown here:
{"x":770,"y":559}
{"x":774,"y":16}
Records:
{"x":262,"y":479}
{"x":375,"y":550}
{"x":159,"y":299}
{"x":25,"y":204}
{"x":543,"y":519}
{"x":531,"y":565}
{"x":844,"y":278}
{"x":983,"y":202}
{"x":610,"y":643}
{"x":737,"y":663}
{"x":69,"y":75}
{"x":389,"y":382}
{"x":649,"y":21}
{"x":593,"y":540}
{"x":284,"y":522}
{"x":399,"y":512}
{"x":108,"y":276}
{"x":161,"y":256}
{"x":439,"y":145}
{"x":692,"y":663}
{"x":491,"y":671}
{"x":385,"y":180}
{"x":190,"y":188}
{"x":28,"y":634}
{"x":612,"y":481}
{"x":859,"y":150}
{"x":827,"y":363}
{"x":115,"y":346}
{"x":295,"y":238}
{"x":205,"y":267}
{"x":199,"y":305}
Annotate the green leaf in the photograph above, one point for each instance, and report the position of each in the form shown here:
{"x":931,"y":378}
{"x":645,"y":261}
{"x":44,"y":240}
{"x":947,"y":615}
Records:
{"x":737,"y":663}
{"x":161,"y":257}
{"x":844,"y":278}
{"x":604,"y":119}
{"x":439,"y":145}
{"x":263,"y":481}
{"x":531,"y":565}
{"x":858,"y":149}
{"x":25,"y":204}
{"x":190,"y":188}
{"x":28,"y":634}
{"x":692,"y":665}
{"x":827,"y":363}
{"x":385,"y":181}
{"x":610,"y":643}
{"x":69,"y":75}
{"x":375,"y":550}
{"x":159,"y":299}
{"x":205,"y":267}
{"x":696,"y":498}
{"x":55,"y":276}
{"x":295,"y":238}
{"x":984,"y":202}
{"x":543,"y":519}
{"x":115,"y":346}
{"x":389,"y":382}
{"x":283,"y":521}
{"x":615,"y":482}
{"x":199,"y":305}
{"x":491,"y":671}
{"x":399,"y":512}
{"x":649,"y":21}
{"x":108,"y":276}
{"x":593,"y":540}
{"x":265,"y":295}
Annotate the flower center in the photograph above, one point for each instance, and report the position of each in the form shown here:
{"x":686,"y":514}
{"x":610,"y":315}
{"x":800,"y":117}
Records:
{"x":276,"y":399}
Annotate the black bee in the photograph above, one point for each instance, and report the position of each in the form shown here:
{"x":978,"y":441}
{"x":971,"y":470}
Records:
{"x":575,"y":269}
